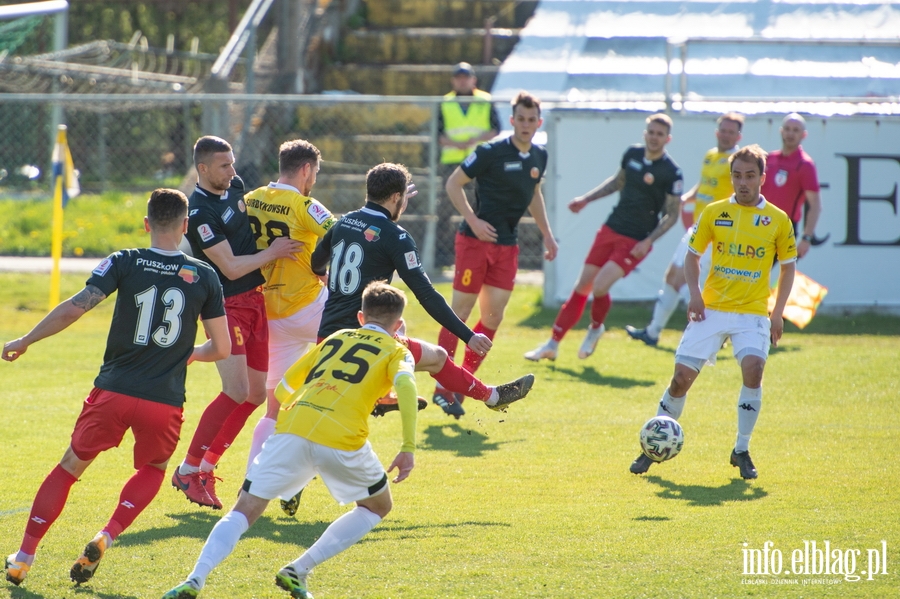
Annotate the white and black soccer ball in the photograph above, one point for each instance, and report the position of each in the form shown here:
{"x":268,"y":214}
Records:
{"x":661,"y":438}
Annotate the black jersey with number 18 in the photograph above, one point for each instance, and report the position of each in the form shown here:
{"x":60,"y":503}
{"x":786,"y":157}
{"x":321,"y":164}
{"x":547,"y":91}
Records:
{"x":364,"y":246}
{"x":154,"y":326}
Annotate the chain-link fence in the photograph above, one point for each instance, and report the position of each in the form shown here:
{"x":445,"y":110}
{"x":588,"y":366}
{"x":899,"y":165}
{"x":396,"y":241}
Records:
{"x":136,"y":143}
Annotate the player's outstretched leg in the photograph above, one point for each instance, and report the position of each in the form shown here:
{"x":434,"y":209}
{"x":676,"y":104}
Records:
{"x":641,"y":464}
{"x":510,"y":392}
{"x":590,"y":341}
{"x":16,"y":571}
{"x":293,"y":582}
{"x":741,"y":460}
{"x":188,"y":589}
{"x":547,"y":351}
{"x":449,"y":402}
{"x":641,"y":335}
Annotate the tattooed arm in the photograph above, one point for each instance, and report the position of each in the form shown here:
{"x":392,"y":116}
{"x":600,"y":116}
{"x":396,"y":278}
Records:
{"x":610,"y":186}
{"x":57,"y":320}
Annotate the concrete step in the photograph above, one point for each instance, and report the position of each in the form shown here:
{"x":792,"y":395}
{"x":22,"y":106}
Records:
{"x":400,"y":79}
{"x":445,"y":13}
{"x":417,"y":45}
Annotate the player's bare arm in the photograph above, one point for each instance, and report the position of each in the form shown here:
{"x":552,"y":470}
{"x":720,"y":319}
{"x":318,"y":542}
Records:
{"x":538,"y":210}
{"x":483,"y":230}
{"x":608,"y":187}
{"x":691,"y":194}
{"x":218,"y":346}
{"x":234,"y":267}
{"x":785,"y":282}
{"x":57,"y":320}
{"x":670,"y":217}
{"x":696,"y":305}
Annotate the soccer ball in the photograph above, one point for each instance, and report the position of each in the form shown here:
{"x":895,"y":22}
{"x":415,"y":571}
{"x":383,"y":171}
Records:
{"x":661,"y":438}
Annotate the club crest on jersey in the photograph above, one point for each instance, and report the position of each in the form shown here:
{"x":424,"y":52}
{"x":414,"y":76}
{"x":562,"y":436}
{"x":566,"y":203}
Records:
{"x":242,"y":206}
{"x":102,"y":267}
{"x":412,"y":260}
{"x":761,"y":220}
{"x":372,"y":233}
{"x":535,"y":172}
{"x":206,"y":232}
{"x":189,"y":274}
{"x":512,"y":166}
{"x":781,"y":177}
{"x":318,"y":212}
{"x":648,"y":178}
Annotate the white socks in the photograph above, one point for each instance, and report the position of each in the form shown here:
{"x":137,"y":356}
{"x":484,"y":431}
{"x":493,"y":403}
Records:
{"x":671,"y":406}
{"x":749,"y":404}
{"x":219,"y":545}
{"x":662,"y":310}
{"x":264,"y":429}
{"x":343,"y":532}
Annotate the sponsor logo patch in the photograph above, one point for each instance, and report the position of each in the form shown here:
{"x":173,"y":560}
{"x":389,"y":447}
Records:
{"x":761,"y":220}
{"x":206,"y":232}
{"x":226,"y":216}
{"x":470,"y":159}
{"x":412,"y":260}
{"x":318,"y":212}
{"x":721,"y":222}
{"x":194,"y":211}
{"x":372,"y":233}
{"x":636,"y":165}
{"x":678,"y":187}
{"x":102,"y":267}
{"x":512,"y":166}
{"x":189,"y":274}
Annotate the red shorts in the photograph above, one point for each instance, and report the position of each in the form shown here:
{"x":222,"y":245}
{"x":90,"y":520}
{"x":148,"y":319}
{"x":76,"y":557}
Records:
{"x":106,"y":416}
{"x":484,"y":263}
{"x":609,"y":246}
{"x":249,"y":328}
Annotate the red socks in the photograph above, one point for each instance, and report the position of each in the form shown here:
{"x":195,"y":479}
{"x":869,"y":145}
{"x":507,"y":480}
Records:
{"x":449,"y":342}
{"x":231,"y":428}
{"x":472,"y":360}
{"x":456,"y":379}
{"x":569,"y":314}
{"x":136,"y":495}
{"x":600,"y":309}
{"x":211,"y":422}
{"x":48,"y":505}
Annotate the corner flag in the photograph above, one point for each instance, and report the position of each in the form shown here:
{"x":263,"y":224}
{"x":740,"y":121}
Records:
{"x":65,"y":187}
{"x":806,"y":295}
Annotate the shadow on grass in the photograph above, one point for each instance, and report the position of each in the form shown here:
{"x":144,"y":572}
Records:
{"x":452,"y":437}
{"x":88,"y":593}
{"x":197,"y":525}
{"x":448,"y":529}
{"x":700,"y":495}
{"x":651,"y":519}
{"x":589,"y":374}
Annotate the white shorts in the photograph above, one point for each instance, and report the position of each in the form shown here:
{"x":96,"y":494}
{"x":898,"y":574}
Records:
{"x":288,"y":462}
{"x":681,"y":250}
{"x":701,"y":341}
{"x":291,"y":337}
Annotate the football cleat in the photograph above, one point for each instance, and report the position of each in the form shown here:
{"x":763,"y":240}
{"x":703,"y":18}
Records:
{"x":388,"y":403}
{"x":514,"y":391}
{"x":84,"y":567}
{"x":741,"y":460}
{"x":547,"y":351}
{"x":193,"y":486}
{"x":450,"y":402}
{"x":590,"y":341}
{"x":188,"y":589}
{"x":291,"y":506}
{"x":641,"y":335}
{"x":16,"y":571}
{"x":641,"y":464}
{"x":208,"y":480}
{"x":292,"y":581}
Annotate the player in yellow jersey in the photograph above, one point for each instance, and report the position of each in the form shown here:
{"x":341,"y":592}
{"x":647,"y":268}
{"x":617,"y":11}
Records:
{"x":714,"y":185}
{"x":746,"y":233}
{"x":322,"y":428}
{"x":294,"y":294}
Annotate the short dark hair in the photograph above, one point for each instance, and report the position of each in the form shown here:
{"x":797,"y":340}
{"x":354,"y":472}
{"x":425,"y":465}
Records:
{"x":750,"y":153}
{"x":208,"y":145}
{"x":734,"y":117}
{"x":293,"y":154}
{"x":385,"y":180}
{"x":166,"y":208}
{"x":382,"y":302}
{"x":662,"y":119}
{"x":527,"y":100}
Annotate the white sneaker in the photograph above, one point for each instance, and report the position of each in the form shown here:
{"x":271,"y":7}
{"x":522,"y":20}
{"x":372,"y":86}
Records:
{"x":590,"y":341}
{"x":547,"y":351}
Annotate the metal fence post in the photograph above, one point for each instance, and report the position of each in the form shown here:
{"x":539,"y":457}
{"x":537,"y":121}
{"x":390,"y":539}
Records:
{"x":430,"y":248}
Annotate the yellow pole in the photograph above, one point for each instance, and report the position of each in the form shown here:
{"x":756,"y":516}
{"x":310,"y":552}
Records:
{"x":57,"y":225}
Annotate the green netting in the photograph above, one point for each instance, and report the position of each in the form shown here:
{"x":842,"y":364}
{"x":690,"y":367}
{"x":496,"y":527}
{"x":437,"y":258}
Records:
{"x":14,"y":33}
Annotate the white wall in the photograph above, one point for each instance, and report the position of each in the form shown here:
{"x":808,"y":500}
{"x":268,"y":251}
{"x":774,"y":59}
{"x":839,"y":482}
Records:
{"x":586,"y":147}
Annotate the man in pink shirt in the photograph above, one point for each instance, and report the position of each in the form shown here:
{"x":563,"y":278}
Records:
{"x":791,"y":181}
